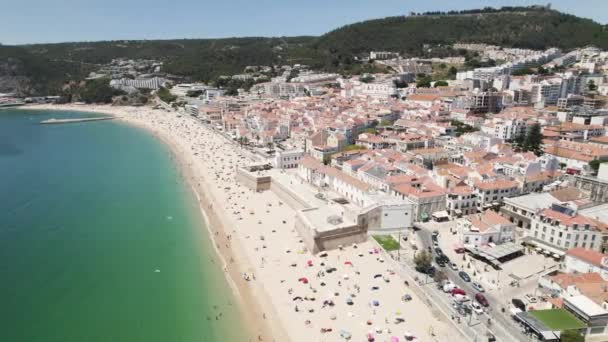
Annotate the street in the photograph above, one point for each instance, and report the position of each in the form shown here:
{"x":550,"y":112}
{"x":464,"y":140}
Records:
{"x":502,"y":326}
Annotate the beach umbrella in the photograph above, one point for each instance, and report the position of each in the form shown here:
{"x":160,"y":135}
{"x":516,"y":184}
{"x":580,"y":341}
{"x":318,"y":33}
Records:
{"x":332,"y":317}
{"x":303,"y":280}
{"x":394,"y":339}
{"x":345,"y":276}
{"x":309,"y":262}
{"x":378,"y":276}
{"x":375,"y":303}
{"x":348,"y":263}
{"x":345,"y":334}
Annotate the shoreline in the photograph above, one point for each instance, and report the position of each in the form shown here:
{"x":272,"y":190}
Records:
{"x":255,"y":237}
{"x":251,"y":304}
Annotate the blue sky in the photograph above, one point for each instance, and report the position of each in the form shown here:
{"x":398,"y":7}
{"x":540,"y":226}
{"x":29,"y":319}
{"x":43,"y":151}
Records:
{"x":36,"y":21}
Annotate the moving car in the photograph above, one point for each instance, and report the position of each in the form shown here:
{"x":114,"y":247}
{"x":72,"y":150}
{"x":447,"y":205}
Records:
{"x":481,"y":299}
{"x":464,"y":276}
{"x":478,"y":287}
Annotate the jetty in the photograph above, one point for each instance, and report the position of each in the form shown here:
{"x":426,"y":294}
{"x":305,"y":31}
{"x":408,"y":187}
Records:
{"x":66,"y":121}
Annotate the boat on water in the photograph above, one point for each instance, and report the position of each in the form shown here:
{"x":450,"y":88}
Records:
{"x":11,"y":104}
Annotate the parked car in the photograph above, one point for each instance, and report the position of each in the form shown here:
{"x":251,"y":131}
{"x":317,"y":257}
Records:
{"x":435,"y":244}
{"x":456,"y":291}
{"x":435,"y":233}
{"x":476,"y":308}
{"x":448,"y":286}
{"x":453,"y":266}
{"x":481,"y":299}
{"x":430,"y":270}
{"x":478,"y":287}
{"x":438,"y":251}
{"x":518,"y":303}
{"x":464,"y":276}
{"x":440,"y":262}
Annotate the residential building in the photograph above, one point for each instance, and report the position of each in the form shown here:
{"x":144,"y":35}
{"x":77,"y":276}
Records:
{"x":487,"y":227}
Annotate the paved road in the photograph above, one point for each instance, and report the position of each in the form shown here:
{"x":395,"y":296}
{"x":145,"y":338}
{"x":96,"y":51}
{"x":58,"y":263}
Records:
{"x":503,"y":327}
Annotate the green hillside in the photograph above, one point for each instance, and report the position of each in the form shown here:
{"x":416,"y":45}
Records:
{"x":43,"y":68}
{"x":530,"y":27}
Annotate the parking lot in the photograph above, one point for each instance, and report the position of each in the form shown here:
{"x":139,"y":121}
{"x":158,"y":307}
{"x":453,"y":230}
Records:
{"x":516,"y":278}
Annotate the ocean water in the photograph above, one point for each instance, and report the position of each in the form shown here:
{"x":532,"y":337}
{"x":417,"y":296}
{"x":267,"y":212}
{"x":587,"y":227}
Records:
{"x":101,"y":240}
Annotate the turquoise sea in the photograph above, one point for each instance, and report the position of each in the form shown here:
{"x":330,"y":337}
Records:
{"x":101,"y":240}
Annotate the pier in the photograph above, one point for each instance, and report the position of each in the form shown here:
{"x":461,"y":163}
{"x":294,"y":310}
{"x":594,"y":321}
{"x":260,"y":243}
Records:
{"x":66,"y":121}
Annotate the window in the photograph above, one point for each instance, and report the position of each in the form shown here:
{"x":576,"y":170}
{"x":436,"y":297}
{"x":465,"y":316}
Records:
{"x":584,"y":245}
{"x":567,"y":244}
{"x":585,"y":237}
{"x":592,"y":237}
{"x":560,"y":234}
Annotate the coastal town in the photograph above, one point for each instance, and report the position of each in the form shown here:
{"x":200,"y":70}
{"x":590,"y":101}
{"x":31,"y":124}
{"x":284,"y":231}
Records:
{"x":383,"y":182}
{"x":382,"y":208}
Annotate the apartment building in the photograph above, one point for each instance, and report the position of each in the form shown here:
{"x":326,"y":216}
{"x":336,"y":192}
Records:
{"x":561,"y":227}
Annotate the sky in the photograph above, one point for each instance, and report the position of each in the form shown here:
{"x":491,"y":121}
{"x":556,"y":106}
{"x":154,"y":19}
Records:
{"x":44,"y":21}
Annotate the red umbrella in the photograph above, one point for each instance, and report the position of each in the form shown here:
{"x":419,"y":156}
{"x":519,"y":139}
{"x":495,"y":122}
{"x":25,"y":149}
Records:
{"x":303,"y":280}
{"x":348,"y":263}
{"x":309,"y":262}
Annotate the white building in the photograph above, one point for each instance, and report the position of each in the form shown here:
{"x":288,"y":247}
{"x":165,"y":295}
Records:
{"x":560,"y":228}
{"x":288,"y":159}
{"x":485,"y":228}
{"x":581,"y":260}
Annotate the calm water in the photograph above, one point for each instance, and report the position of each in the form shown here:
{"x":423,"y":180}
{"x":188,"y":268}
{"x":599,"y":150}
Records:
{"x":100,"y":240}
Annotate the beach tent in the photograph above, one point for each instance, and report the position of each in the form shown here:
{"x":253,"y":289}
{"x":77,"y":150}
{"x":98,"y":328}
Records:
{"x":348,"y":263}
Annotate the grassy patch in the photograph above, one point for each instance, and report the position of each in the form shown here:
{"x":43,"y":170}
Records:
{"x":557,"y":319}
{"x":387,"y":242}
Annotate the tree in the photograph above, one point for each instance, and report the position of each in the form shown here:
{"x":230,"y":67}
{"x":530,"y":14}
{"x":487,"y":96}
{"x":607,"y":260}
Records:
{"x":165,"y":95}
{"x":520,"y":140}
{"x":591,"y":85}
{"x":423,"y":259}
{"x":534,"y":139}
{"x":423,"y":82}
{"x":453,"y":71}
{"x":571,"y":336}
{"x":440,"y":276}
{"x":99,"y":91}
{"x":595,"y":164}
{"x":441,"y":84}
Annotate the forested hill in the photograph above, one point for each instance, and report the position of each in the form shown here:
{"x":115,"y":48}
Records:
{"x":526,"y":27}
{"x":42,"y":68}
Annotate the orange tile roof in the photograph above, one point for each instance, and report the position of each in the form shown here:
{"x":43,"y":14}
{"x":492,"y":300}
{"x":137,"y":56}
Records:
{"x":587,"y":255}
{"x":566,"y":279}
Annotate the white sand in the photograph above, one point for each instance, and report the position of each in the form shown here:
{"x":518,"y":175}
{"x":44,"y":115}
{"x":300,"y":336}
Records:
{"x":253,"y":233}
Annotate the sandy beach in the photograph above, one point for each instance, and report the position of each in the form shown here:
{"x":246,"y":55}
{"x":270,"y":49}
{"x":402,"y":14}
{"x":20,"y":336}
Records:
{"x":286,"y":294}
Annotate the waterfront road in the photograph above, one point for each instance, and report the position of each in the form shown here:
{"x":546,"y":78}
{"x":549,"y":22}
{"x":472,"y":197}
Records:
{"x":500,"y":323}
